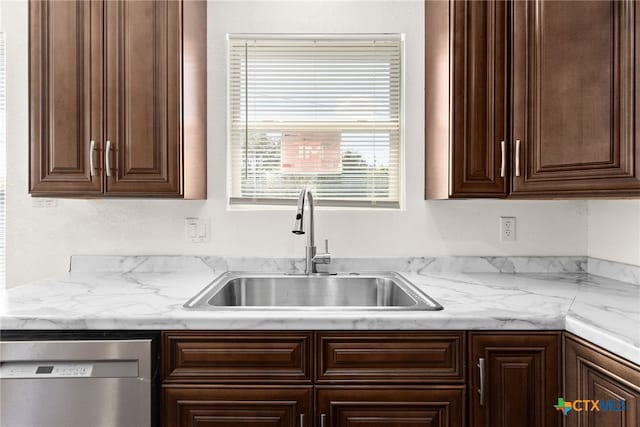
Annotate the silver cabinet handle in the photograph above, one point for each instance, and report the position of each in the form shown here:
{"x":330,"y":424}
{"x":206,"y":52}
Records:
{"x":481,"y":389}
{"x":504,"y":159}
{"x":92,"y":166}
{"x":323,"y":418}
{"x":301,"y":420}
{"x":107,"y":157}
{"x":517,"y":157}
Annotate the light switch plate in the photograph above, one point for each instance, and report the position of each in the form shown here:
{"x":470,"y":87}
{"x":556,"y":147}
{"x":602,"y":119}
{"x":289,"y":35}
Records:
{"x":196,"y":230}
{"x":39,"y":202}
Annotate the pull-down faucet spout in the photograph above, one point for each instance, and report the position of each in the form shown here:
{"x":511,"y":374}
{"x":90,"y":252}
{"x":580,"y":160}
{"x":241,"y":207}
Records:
{"x":311,"y":259}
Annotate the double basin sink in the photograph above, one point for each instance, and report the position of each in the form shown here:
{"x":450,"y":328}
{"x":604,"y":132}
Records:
{"x":387,"y":291}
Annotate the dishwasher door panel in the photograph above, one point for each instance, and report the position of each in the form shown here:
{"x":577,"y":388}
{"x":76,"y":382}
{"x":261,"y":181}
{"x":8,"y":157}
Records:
{"x":64,"y":383}
{"x":75,"y":402}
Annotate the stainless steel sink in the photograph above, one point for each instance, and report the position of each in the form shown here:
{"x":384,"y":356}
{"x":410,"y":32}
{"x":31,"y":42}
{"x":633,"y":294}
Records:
{"x":258,"y":291}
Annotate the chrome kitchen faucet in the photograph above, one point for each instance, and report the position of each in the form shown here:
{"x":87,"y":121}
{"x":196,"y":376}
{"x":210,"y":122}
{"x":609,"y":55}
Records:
{"x":311,"y":258}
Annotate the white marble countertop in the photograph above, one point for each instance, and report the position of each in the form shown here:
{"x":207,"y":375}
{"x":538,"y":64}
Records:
{"x":603,"y":311}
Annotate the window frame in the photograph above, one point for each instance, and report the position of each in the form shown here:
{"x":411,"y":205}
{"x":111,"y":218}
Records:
{"x":250,"y":203}
{"x":3,"y":158}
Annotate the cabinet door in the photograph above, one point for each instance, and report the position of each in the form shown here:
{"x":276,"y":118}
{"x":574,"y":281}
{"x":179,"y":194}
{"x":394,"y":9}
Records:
{"x":65,"y":81}
{"x":479,"y":94}
{"x":594,"y":374}
{"x":236,"y":406}
{"x":143,"y":97}
{"x":375,"y":406}
{"x":575,"y":89}
{"x":519,"y":381}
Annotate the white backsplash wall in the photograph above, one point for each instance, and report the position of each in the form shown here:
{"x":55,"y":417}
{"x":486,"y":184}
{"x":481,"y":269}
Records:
{"x":40,"y":240}
{"x":614,"y":230}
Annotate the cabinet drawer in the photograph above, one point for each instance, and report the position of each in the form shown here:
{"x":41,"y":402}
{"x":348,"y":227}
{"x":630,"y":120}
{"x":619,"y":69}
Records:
{"x":390,"y":357}
{"x":237,"y":357}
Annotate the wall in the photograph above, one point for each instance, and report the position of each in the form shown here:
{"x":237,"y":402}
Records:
{"x":614,"y":230}
{"x":40,"y":240}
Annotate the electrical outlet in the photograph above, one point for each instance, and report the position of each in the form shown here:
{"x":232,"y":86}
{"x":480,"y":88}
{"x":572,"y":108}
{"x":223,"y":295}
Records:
{"x":507,"y":228}
{"x":196,"y":230}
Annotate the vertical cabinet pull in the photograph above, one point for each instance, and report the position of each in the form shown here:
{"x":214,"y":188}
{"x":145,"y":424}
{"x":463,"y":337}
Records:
{"x":503,"y":156}
{"x":481,"y":389}
{"x":107,"y":157}
{"x":301,"y":420}
{"x":323,"y":418}
{"x":517,"y":157}
{"x":92,"y":165}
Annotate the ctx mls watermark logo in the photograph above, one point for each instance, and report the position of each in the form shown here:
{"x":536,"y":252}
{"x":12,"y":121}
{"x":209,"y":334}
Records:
{"x":590,"y":405}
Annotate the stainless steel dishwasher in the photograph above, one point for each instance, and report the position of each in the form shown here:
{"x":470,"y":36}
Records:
{"x":77,"y":382}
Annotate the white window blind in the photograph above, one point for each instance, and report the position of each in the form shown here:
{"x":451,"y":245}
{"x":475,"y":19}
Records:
{"x":3,"y":163}
{"x":319,"y":112}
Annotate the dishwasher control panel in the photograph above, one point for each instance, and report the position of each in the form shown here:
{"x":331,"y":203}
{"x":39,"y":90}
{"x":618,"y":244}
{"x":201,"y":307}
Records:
{"x":65,"y":369}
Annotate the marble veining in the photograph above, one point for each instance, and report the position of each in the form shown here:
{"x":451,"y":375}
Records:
{"x":158,"y":264}
{"x":614,"y":270}
{"x":148,"y":293}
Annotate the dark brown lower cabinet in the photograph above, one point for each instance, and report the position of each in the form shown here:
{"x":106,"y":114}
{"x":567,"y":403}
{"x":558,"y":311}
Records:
{"x":390,"y":379}
{"x":594,"y":374}
{"x":387,"y":406}
{"x":218,"y":406}
{"x":306,"y":379}
{"x":515,"y":379}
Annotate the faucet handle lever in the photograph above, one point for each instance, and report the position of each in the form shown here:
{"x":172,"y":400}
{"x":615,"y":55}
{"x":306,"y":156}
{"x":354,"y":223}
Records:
{"x":324,"y":258}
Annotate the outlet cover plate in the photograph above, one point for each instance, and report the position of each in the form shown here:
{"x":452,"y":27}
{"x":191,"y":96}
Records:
{"x":507,"y":229}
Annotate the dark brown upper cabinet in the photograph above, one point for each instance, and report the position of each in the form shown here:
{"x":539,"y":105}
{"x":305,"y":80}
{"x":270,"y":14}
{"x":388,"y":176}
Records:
{"x":542,"y":103}
{"x":479,"y":120}
{"x":574,"y":73}
{"x":117,"y":98}
{"x":63,"y":37}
